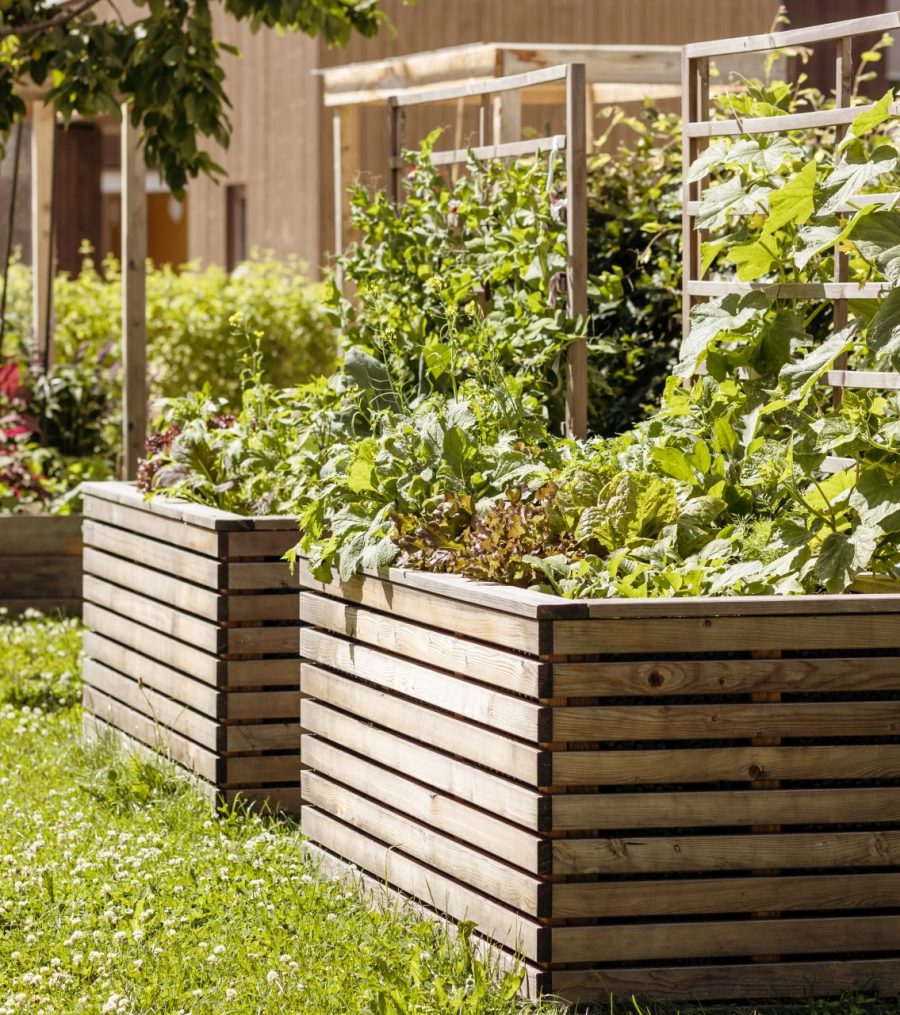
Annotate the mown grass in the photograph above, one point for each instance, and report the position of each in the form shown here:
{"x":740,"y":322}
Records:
{"x":120,"y":893}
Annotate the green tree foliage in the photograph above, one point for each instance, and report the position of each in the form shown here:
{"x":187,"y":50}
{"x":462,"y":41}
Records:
{"x":165,"y":61}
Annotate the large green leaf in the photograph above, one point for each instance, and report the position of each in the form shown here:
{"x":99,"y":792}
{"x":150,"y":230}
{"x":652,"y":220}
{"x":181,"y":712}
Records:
{"x":843,"y":557}
{"x":753,"y":260}
{"x":858,"y":169}
{"x":876,"y":499}
{"x":709,"y":320}
{"x":871,"y":118}
{"x":883,"y":334}
{"x":799,"y":378}
{"x":793,"y":203}
{"x":877,"y":237}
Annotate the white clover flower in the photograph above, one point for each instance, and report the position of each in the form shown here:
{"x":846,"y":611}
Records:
{"x":272,"y":976}
{"x":230,"y":994}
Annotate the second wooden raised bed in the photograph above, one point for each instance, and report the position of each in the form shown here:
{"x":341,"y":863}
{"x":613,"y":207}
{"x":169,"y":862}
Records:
{"x":191,"y":645}
{"x":686,"y":799}
{"x":40,"y":563}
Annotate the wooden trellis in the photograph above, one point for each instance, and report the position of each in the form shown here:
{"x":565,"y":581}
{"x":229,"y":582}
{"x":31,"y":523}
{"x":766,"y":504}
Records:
{"x":491,"y":146}
{"x":699,"y":128}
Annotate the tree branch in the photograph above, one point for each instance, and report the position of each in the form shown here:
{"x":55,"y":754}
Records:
{"x":63,"y":18}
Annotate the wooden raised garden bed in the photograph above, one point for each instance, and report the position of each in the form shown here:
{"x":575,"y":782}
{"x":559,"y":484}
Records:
{"x":40,"y":563}
{"x":191,"y":644}
{"x":691,"y":799}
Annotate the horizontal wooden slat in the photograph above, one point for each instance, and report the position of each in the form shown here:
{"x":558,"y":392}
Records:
{"x":725,"y":939}
{"x":141,"y":669}
{"x":177,"y":654}
{"x":501,"y":754}
{"x":36,"y":535}
{"x":610,"y":899}
{"x":281,"y":736}
{"x":262,"y":672}
{"x":769,"y":124}
{"x":40,"y":577}
{"x":193,"y":567}
{"x":265,"y":543}
{"x":862,"y":378}
{"x":263,"y":768}
{"x":240,"y":705}
{"x":444,"y":893}
{"x":475,"y":869}
{"x":157,"y":707}
{"x":741,"y":981}
{"x":267,"y":576}
{"x":737,"y":606}
{"x":281,"y":640}
{"x":266,"y":800}
{"x":794,"y":290}
{"x":636,"y":855}
{"x":142,"y":522}
{"x":729,"y":634}
{"x":145,"y":729}
{"x":502,"y":712}
{"x":448,"y":614}
{"x":727,"y":764}
{"x":505,"y":799}
{"x":181,"y":595}
{"x":431,"y":807}
{"x":571,"y":812}
{"x":426,"y":645}
{"x":240,"y":607}
{"x":157,"y":616}
{"x":725,"y":721}
{"x":509,"y":150}
{"x":493,"y":86}
{"x":795,"y":36}
{"x":726,"y":676}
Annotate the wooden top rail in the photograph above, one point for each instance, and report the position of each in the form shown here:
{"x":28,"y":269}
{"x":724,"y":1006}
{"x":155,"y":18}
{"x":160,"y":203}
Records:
{"x":514,"y":82}
{"x":794,"y":291}
{"x":510,"y":150}
{"x":795,"y":36}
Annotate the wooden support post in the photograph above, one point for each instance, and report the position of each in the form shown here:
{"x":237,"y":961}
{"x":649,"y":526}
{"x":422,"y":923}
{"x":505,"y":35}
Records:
{"x":694,"y":106}
{"x":134,"y":322}
{"x":394,"y":148}
{"x":576,"y":222}
{"x":345,"y":121}
{"x":843,"y":93}
{"x":507,"y":108}
{"x":43,"y":140}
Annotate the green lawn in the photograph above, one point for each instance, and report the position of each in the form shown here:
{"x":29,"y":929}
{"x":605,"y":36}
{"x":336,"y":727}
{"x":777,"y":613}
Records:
{"x":119,"y":893}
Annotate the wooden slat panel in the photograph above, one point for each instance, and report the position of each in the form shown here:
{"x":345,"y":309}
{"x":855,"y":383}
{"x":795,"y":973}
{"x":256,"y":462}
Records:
{"x":445,"y":894}
{"x":166,"y":588}
{"x":771,"y":124}
{"x":745,"y":981}
{"x":571,"y":812}
{"x":623,"y":943}
{"x":262,"y":705}
{"x":722,"y":722}
{"x":177,"y":654}
{"x":728,"y":634}
{"x":157,"y":616}
{"x":477,"y":870}
{"x":271,"y":798}
{"x":34,"y":535}
{"x":635,"y":855}
{"x":726,"y":676}
{"x":142,"y":522}
{"x":499,"y":753}
{"x":190,"y":566}
{"x":737,"y":606}
{"x":730,"y":764}
{"x":282,"y":736}
{"x":506,"y":799}
{"x":157,"y":707}
{"x":435,"y":809}
{"x":502,"y":712}
{"x":265,"y":577}
{"x":262,"y":672}
{"x":147,"y":731}
{"x":258,"y":606}
{"x":173,"y":683}
{"x":450,"y":615}
{"x":425,"y":645}
{"x":263,"y":768}
{"x":726,"y":895}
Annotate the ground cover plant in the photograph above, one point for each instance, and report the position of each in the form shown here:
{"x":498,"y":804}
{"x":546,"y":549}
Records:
{"x":61,"y":426}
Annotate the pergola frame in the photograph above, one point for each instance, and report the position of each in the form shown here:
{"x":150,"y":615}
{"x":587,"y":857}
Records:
{"x":698,"y":128}
{"x":133,"y":257}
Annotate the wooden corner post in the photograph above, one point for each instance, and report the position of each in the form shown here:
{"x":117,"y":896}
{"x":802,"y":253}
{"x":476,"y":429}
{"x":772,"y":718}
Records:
{"x":43,"y":143}
{"x":134,"y":284}
{"x":576,"y":225}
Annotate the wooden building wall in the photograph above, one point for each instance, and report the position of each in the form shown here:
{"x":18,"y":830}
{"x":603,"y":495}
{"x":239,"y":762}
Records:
{"x":282,"y":143}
